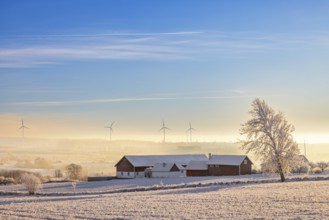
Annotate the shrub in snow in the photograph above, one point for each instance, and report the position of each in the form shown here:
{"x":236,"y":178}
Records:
{"x":15,"y":174}
{"x":317,"y":170}
{"x":74,"y":171}
{"x":323,"y":165}
{"x":58,"y":173}
{"x":31,"y":182}
{"x":6,"y":180}
{"x":148,"y":172}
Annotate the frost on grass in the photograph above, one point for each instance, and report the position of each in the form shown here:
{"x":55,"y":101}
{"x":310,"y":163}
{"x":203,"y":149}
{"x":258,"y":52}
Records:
{"x":290,"y":200}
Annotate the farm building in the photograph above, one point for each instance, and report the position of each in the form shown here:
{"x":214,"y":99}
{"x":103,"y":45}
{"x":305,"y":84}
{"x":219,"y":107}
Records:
{"x":229,"y":165}
{"x":197,"y":168}
{"x":135,"y":166}
{"x":164,"y":170}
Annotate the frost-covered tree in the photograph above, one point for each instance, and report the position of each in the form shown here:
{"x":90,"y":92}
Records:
{"x":269,"y":137}
{"x":301,"y":165}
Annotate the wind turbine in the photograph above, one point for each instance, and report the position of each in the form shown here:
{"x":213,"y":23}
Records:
{"x":23,"y":127}
{"x":164,"y":128}
{"x":190,"y":130}
{"x":111,"y":129}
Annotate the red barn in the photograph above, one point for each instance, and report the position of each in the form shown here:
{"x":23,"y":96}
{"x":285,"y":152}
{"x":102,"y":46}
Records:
{"x":197,"y":168}
{"x":229,"y":165}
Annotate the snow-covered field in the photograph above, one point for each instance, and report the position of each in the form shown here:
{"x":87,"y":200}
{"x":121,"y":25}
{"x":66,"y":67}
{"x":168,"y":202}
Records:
{"x":211,"y":200}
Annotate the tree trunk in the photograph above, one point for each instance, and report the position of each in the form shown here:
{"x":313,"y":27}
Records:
{"x":281,"y":172}
{"x":282,"y":177}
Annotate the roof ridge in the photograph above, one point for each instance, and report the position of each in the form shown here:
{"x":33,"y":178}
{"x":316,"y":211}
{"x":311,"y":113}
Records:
{"x":152,"y":155}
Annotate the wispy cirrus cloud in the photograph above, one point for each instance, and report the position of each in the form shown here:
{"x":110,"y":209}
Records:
{"x":116,"y":100}
{"x":30,"y":51}
{"x":98,"y":35}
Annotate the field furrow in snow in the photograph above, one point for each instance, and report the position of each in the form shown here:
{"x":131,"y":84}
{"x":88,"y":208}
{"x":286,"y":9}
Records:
{"x":297,"y":200}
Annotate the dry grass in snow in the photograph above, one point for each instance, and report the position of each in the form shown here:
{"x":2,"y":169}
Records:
{"x":290,"y":200}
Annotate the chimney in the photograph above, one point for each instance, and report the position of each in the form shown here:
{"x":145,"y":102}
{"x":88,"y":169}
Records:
{"x":209,"y":156}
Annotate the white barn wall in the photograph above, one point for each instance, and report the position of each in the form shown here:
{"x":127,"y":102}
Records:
{"x":167,"y":174}
{"x":177,"y":174}
{"x":125,"y":175}
{"x":160,"y":174}
{"x":140,"y":175}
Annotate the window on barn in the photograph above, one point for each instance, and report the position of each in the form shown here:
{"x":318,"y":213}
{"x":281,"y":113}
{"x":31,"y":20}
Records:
{"x":128,"y":173}
{"x":121,"y":173}
{"x":245,"y":161}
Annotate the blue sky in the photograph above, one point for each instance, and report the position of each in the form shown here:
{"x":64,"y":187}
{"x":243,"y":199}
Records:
{"x":71,"y":67}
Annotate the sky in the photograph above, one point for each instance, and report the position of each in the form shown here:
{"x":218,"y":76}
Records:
{"x":71,"y":68}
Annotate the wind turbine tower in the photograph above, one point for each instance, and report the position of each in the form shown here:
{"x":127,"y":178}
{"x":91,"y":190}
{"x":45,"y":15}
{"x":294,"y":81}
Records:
{"x":111,"y":129}
{"x":164,"y":128}
{"x":23,"y":127}
{"x":190,"y":131}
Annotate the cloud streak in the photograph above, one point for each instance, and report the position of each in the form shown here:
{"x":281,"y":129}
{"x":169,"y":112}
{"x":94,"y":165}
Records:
{"x":100,"y":35}
{"x":31,"y":51}
{"x":118,"y":100}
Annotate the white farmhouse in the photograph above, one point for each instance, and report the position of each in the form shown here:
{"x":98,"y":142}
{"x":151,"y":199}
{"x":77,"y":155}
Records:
{"x":164,"y":170}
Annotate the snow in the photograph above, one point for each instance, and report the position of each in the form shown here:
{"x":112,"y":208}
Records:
{"x":289,"y":200}
{"x":162,"y":167}
{"x":150,"y":160}
{"x":233,"y":160}
{"x":133,"y":184}
{"x":197,"y":165}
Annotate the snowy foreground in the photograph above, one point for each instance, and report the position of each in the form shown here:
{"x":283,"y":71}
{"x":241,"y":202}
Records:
{"x":197,"y":198}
